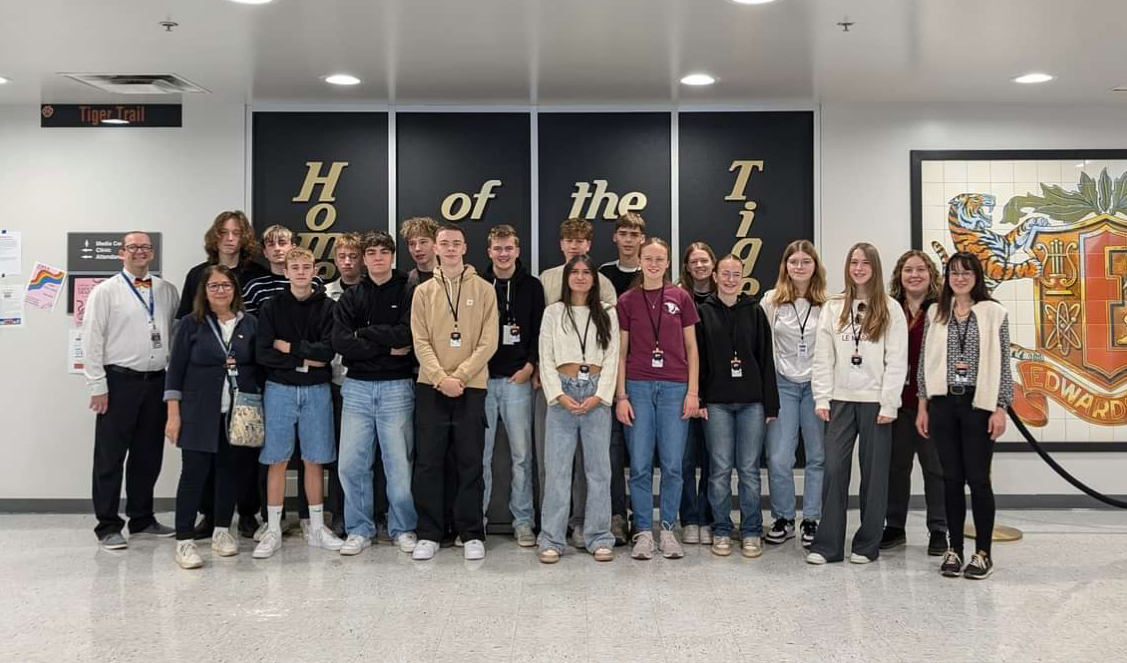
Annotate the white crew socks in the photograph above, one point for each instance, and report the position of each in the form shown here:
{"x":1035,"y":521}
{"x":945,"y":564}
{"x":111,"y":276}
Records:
{"x":316,"y":517}
{"x":274,"y":519}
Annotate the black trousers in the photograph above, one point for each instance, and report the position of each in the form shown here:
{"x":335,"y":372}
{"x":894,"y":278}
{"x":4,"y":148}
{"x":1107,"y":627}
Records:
{"x":618,"y":467}
{"x":965,"y":451}
{"x":334,"y":500}
{"x":906,"y":442}
{"x":246,"y":485}
{"x":198,"y":470}
{"x":129,"y":443}
{"x":443,"y":425}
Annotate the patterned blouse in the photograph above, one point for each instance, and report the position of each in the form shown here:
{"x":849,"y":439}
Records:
{"x":966,"y":351}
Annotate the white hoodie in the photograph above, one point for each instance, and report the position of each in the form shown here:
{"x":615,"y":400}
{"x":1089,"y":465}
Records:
{"x":884,"y":364}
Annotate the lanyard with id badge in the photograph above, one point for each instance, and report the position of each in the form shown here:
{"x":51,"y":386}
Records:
{"x":150,"y":308}
{"x":803,"y":346}
{"x":962,"y":368}
{"x":584,"y":368}
{"x":455,"y":336}
{"x":510,"y":331}
{"x":736,"y":365}
{"x":657,"y":358}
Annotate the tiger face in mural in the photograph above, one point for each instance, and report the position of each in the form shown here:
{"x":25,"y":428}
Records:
{"x":969,"y":218}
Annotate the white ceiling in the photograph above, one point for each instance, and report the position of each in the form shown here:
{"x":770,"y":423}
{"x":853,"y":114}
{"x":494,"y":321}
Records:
{"x":555,"y":52}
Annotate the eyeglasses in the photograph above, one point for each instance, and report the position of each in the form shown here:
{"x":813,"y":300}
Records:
{"x":138,"y":248}
{"x":962,"y":275}
{"x":219,"y":287}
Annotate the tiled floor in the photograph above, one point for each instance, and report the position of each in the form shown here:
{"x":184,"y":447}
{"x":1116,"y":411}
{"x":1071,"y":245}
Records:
{"x":1059,"y":594}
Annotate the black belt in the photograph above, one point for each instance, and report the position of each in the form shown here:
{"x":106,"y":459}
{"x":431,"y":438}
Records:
{"x":960,"y":390}
{"x":135,"y":375}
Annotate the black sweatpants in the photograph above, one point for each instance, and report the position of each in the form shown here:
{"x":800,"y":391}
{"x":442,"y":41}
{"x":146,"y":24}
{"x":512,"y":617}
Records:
{"x":196,"y":468}
{"x":129,"y":443}
{"x":906,"y":442}
{"x":442,"y":425}
{"x":965,"y":451}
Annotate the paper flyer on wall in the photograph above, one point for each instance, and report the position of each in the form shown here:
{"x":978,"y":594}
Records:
{"x":83,"y":285}
{"x":44,"y":286}
{"x":11,"y":251}
{"x":74,"y":351}
{"x":11,"y":305}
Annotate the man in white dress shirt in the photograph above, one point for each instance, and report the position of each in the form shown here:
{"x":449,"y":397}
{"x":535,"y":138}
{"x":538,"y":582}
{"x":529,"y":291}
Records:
{"x":125,"y":338}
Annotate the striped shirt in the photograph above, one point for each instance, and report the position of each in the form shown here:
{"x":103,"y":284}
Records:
{"x":257,"y":291}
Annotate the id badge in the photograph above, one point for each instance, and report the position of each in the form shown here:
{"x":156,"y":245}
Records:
{"x":737,"y":368}
{"x":510,"y":335}
{"x":154,"y":336}
{"x":657,"y":359}
{"x":803,"y":349}
{"x":961,"y":371}
{"x":584,"y":373}
{"x":856,"y":361}
{"x":302,"y":369}
{"x":232,"y":368}
{"x":455,"y":339}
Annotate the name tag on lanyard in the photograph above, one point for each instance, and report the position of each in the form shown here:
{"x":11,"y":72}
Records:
{"x":510,"y":335}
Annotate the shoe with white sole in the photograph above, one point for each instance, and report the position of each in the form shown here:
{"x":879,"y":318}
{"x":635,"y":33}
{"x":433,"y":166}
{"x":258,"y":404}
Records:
{"x":271,"y":543}
{"x":354,"y":545}
{"x":549,"y":556}
{"x":690,"y":534}
{"x":705,"y":535}
{"x":855,"y":558}
{"x":752,"y":546}
{"x":815,"y":558}
{"x":603,"y":554}
{"x":643,"y":546}
{"x":223,"y":544}
{"x":524,"y":536}
{"x":187,"y":556}
{"x":323,"y":537}
{"x":474,"y":549}
{"x":406,"y":542}
{"x":424,"y":550}
{"x":670,"y":546}
{"x":260,"y":532}
{"x":722,"y":546}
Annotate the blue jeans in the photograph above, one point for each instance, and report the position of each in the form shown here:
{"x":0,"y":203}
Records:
{"x":379,"y":412}
{"x":561,"y":431}
{"x":694,"y":494}
{"x":514,"y":403}
{"x":304,"y":410}
{"x":796,"y":411}
{"x":735,"y":439}
{"x":657,"y":422}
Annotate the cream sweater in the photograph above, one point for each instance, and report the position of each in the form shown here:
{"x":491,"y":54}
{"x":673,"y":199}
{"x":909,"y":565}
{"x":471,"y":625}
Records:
{"x":559,"y":345}
{"x":884,"y":363}
{"x":989,"y":315}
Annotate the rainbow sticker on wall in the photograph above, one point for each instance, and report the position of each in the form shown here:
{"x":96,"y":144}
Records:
{"x":44,"y":286}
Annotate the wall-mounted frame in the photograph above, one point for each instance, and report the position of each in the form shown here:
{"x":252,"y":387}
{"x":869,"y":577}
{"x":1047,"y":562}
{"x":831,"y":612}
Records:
{"x":1050,"y":227}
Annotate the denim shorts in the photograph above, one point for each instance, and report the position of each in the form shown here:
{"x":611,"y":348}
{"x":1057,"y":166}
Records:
{"x":292,"y":413}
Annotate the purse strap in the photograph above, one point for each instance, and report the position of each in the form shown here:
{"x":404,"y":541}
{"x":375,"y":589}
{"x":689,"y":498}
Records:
{"x":228,"y":352}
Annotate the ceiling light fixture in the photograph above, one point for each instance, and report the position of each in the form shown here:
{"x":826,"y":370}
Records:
{"x":3,"y":80}
{"x":1034,"y":77}
{"x":115,"y":120}
{"x":752,"y":2}
{"x":342,"y":79}
{"x":698,"y":79}
{"x":252,"y":2}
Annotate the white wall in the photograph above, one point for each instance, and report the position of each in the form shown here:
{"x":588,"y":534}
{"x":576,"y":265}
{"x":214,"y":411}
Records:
{"x":175,"y":180}
{"x":866,"y":197}
{"x":57,"y":180}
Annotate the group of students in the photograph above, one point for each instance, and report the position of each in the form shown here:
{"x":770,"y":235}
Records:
{"x":397,"y":383}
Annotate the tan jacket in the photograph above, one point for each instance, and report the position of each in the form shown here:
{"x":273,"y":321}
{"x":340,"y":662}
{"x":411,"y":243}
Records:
{"x":432,"y":323}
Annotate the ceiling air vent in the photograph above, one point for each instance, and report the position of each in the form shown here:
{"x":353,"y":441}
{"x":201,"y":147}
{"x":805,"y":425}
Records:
{"x":138,"y":83}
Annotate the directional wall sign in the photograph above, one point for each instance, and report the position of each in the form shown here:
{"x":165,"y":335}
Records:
{"x":97,"y":252}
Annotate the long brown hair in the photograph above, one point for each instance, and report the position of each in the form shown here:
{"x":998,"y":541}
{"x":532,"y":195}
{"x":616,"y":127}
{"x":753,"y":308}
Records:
{"x":594,"y":302}
{"x":687,"y":279}
{"x":978,"y":292}
{"x":935,"y":281}
{"x":639,"y":279}
{"x":248,"y":243}
{"x":201,"y":308}
{"x":784,"y":288}
{"x":875,"y":321}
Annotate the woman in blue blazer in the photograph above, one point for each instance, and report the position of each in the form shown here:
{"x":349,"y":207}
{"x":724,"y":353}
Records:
{"x":213,"y":345}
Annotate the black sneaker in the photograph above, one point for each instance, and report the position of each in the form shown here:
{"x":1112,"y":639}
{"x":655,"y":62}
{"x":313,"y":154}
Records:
{"x":782,"y":530}
{"x":937,"y":544}
{"x":894,"y":538}
{"x":809,"y":529}
{"x":337,"y":528}
{"x":952,"y":566}
{"x":248,"y":525}
{"x":203,"y":529}
{"x":980,"y":567}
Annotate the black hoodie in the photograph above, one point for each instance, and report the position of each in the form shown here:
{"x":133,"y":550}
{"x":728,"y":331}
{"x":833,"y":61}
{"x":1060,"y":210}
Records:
{"x":370,"y":320}
{"x":745,"y":324}
{"x":520,"y":301}
{"x":307,"y":326}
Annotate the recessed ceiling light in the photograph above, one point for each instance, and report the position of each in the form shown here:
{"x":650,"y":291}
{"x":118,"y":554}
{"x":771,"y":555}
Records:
{"x":698,"y":79}
{"x":1034,"y":78}
{"x":752,"y":2}
{"x":342,"y":79}
{"x":252,"y":2}
{"x":3,"y":80}
{"x":115,"y":120}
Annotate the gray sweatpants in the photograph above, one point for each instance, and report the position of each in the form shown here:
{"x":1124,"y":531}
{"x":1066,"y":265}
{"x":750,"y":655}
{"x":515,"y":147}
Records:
{"x":848,"y":421}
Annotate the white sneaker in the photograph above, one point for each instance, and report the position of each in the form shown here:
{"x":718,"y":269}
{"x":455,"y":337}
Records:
{"x":815,"y":558}
{"x":706,"y":535}
{"x":304,"y":522}
{"x":691,"y":534}
{"x":406,"y":542}
{"x":458,"y":541}
{"x":355,"y":544}
{"x":223,"y":544}
{"x":670,"y":547}
{"x":474,"y":549}
{"x":187,"y":556}
{"x":323,"y":537}
{"x":524,"y":536}
{"x":752,"y":546}
{"x":425,"y":550}
{"x":859,"y":559}
{"x":271,"y":543}
{"x":260,"y":532}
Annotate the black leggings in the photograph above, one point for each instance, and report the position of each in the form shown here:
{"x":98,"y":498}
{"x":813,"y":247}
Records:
{"x":965,"y":451}
{"x":195,"y":468}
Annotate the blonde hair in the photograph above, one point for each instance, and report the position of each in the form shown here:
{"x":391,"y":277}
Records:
{"x":784,"y":288}
{"x":876,"y":320}
{"x":652,"y":241}
{"x":298,"y":254}
{"x":501,"y":232}
{"x":349,"y":240}
{"x":419,"y":226}
{"x":274,"y":232}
